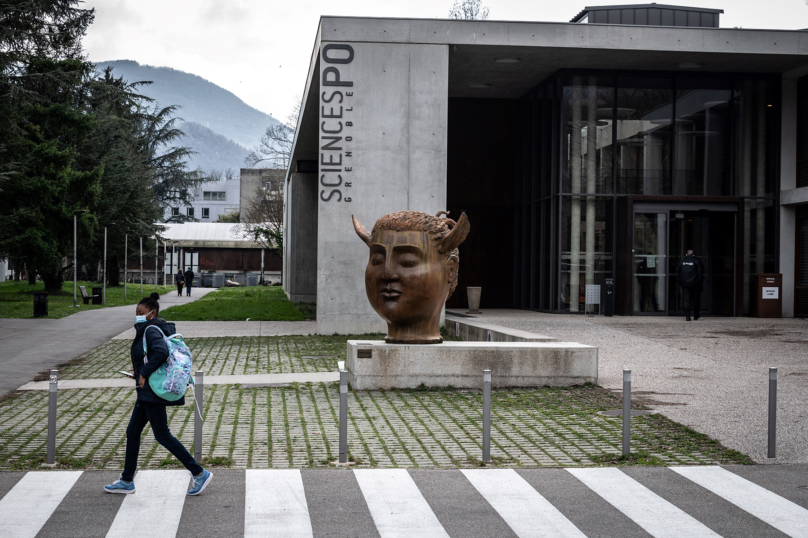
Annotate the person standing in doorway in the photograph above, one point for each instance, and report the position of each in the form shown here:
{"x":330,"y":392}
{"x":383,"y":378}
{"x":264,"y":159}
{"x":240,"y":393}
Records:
{"x":179,"y":280}
{"x":690,"y":275}
{"x":189,"y":280}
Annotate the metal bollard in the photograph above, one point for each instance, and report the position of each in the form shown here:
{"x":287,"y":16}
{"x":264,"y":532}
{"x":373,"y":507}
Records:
{"x":53,"y":388}
{"x":626,"y":412}
{"x":489,"y":336}
{"x":343,"y":415}
{"x":199,"y":391}
{"x":457,"y":329}
{"x":486,"y":416}
{"x":772,"y":412}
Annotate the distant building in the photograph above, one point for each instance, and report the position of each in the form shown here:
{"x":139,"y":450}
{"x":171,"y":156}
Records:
{"x":253,"y":179}
{"x":210,"y":201}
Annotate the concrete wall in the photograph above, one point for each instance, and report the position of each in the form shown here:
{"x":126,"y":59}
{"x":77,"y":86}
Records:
{"x":788,"y":181}
{"x":389,"y":155}
{"x":300,"y":260}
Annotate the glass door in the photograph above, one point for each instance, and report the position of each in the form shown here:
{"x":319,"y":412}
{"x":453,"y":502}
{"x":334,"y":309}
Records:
{"x":650,"y":263}
{"x":691,"y":231}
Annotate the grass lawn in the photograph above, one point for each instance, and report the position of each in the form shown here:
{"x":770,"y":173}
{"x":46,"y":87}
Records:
{"x":258,"y":303}
{"x":17,"y":298}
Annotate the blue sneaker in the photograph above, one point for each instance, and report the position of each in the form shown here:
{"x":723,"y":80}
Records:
{"x":119,"y":486}
{"x":200,"y":482}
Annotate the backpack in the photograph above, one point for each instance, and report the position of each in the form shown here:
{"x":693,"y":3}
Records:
{"x":172,"y":378}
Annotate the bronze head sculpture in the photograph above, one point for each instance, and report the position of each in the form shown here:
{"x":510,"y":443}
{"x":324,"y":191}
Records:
{"x":412,"y":271}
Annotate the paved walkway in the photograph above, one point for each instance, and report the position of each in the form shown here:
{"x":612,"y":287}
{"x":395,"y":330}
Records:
{"x":705,"y":501}
{"x":208,"y":329}
{"x":711,"y":374}
{"x":33,"y":345}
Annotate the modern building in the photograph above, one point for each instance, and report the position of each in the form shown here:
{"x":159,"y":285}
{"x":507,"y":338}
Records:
{"x":210,"y":201}
{"x":600,"y":148}
{"x":252,"y":180}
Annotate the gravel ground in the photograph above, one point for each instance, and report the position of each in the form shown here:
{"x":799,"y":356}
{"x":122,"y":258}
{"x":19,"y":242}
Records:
{"x":710,"y":374}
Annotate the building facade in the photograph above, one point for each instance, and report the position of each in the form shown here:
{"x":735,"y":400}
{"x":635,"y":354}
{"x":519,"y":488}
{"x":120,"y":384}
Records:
{"x":210,"y":201}
{"x":600,"y":148}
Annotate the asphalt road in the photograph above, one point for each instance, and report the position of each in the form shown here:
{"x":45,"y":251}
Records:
{"x":742,"y":501}
{"x":30,"y":346}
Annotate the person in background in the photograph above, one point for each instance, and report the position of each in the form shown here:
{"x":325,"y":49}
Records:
{"x":179,"y":280}
{"x":189,"y":280}
{"x":690,"y":275}
{"x":149,"y":407}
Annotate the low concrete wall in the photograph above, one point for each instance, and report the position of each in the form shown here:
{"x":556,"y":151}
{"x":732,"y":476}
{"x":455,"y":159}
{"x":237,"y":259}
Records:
{"x":377,"y":365}
{"x":474,"y":331}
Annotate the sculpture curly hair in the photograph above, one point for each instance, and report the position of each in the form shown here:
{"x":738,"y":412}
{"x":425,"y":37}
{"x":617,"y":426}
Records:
{"x":445,"y":233}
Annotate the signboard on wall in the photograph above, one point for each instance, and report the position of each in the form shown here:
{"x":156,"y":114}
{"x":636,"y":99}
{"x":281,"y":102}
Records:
{"x":770,"y":293}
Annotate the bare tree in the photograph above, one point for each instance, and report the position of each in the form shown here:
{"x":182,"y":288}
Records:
{"x":275,"y":148}
{"x":468,"y":10}
{"x":263,"y":218}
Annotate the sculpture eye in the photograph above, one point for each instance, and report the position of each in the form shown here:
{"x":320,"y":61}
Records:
{"x":408,"y":260}
{"x":376,"y":259}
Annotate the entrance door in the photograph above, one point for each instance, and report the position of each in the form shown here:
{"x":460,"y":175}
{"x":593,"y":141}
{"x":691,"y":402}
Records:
{"x":650,"y":262}
{"x":689,"y":231}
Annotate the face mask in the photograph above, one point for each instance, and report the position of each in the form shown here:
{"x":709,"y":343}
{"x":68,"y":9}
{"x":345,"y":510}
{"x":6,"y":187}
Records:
{"x":142,"y":319}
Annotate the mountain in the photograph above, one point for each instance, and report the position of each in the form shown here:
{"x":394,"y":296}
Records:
{"x":202,"y":102}
{"x":214,"y":151}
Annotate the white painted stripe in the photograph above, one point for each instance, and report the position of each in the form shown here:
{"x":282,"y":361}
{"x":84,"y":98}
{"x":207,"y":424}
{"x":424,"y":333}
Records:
{"x":647,"y":509}
{"x":155,"y":509}
{"x":523,"y":508}
{"x":396,"y":505}
{"x":780,"y":513}
{"x":275,"y":504}
{"x":27,"y":507}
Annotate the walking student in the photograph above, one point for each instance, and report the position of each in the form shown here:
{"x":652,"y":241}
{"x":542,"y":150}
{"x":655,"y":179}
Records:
{"x":150,"y":408}
{"x":690,"y":275}
{"x":189,"y":280}
{"x":179,"y":279}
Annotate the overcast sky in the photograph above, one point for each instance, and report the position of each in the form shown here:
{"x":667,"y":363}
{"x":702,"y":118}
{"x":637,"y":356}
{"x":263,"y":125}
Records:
{"x":260,"y":50}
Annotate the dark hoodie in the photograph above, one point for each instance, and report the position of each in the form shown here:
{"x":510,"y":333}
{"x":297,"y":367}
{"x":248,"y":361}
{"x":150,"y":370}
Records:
{"x":158,"y":354}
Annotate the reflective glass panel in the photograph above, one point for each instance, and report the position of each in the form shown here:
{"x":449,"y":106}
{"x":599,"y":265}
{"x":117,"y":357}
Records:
{"x":756,"y":109}
{"x":650,"y":262}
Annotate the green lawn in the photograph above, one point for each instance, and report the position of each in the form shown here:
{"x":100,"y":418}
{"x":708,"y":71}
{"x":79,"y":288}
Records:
{"x":257,"y":303}
{"x":17,"y":298}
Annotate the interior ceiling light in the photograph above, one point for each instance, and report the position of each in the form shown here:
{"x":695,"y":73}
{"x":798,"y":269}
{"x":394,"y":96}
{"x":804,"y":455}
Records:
{"x":479,"y":85}
{"x":689,"y":65}
{"x":508,"y":60}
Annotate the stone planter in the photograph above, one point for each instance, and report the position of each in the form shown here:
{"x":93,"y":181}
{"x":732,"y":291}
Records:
{"x":474,"y":293}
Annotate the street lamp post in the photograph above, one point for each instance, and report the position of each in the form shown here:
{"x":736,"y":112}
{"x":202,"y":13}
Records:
{"x":156,"y":259}
{"x":75,"y":256}
{"x":104,"y":289}
{"x":126,"y":261}
{"x":165,"y":257}
{"x":141,"y":266}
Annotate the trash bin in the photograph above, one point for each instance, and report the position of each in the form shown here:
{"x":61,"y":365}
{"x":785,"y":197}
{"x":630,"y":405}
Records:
{"x":608,"y":307}
{"x":252,"y":280}
{"x":207,"y":281}
{"x":218,"y":280}
{"x":40,"y":304}
{"x":767,"y":291}
{"x":97,"y":292}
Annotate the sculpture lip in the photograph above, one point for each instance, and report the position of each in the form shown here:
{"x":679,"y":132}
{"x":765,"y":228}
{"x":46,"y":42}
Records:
{"x":390,"y":293}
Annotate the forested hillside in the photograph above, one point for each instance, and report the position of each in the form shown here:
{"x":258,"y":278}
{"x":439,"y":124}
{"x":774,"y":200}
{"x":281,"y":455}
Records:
{"x":213,"y":151}
{"x":202,"y":101}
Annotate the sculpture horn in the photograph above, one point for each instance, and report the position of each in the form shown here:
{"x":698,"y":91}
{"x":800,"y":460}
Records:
{"x":361,"y":231}
{"x":456,"y":236}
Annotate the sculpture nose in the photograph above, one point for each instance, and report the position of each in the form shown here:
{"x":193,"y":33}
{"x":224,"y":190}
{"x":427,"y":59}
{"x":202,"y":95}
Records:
{"x":389,"y":273}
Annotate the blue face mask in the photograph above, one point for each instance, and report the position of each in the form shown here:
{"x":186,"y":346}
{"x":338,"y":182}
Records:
{"x":142,"y":319}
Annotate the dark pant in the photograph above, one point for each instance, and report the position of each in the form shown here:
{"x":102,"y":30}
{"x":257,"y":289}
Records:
{"x":179,"y":288}
{"x":188,"y":287}
{"x":692,"y":300}
{"x":154,"y":414}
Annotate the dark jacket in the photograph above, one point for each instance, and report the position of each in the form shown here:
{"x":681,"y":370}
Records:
{"x":690,"y":272}
{"x":189,"y":278}
{"x":179,"y":278}
{"x":157,"y":353}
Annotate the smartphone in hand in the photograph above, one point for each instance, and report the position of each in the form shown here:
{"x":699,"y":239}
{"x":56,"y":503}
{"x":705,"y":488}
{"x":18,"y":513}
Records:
{"x":130,"y":375}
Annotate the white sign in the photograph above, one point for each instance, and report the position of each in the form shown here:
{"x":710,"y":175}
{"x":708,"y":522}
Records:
{"x":771,"y":293}
{"x":651,"y":262}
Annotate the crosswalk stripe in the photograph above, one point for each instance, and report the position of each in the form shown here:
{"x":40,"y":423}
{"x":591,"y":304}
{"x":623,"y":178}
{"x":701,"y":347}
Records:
{"x":647,"y":509}
{"x":30,"y":503}
{"x":396,"y":505}
{"x":782,"y":514}
{"x":275,"y":504}
{"x":523,"y":508}
{"x":155,"y":509}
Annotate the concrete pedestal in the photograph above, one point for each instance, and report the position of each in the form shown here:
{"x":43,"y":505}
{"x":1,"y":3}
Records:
{"x":373,"y":364}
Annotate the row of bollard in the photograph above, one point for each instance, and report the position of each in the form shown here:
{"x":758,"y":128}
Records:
{"x":199,"y":388}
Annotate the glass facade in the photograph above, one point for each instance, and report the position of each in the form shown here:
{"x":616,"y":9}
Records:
{"x":593,"y":147}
